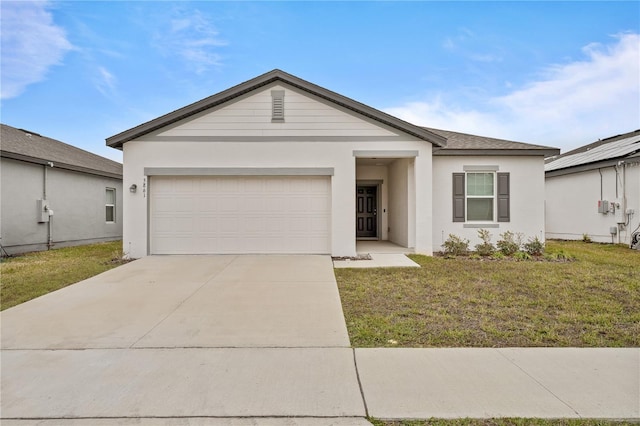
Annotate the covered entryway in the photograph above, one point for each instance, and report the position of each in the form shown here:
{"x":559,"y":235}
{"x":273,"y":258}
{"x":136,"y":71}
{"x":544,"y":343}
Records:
{"x":385,"y":197}
{"x":240,"y":214}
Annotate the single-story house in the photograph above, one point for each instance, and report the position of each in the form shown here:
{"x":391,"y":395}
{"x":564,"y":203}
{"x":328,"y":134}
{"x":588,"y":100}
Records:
{"x":280,"y":165}
{"x":594,"y":191}
{"x":55,"y":195}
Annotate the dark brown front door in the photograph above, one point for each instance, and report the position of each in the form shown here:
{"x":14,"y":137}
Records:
{"x":366,"y":211}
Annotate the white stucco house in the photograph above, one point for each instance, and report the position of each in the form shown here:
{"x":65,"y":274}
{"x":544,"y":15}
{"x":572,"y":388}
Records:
{"x":594,"y":190}
{"x":280,"y":165}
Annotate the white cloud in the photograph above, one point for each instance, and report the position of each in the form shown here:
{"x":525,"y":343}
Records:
{"x":568,"y":105}
{"x":105,"y":81}
{"x":31,"y":45}
{"x":193,"y":38}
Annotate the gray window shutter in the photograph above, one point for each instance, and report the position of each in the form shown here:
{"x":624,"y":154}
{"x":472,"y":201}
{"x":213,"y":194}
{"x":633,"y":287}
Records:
{"x":458,"y":197}
{"x":504,"y":211}
{"x":277,"y":105}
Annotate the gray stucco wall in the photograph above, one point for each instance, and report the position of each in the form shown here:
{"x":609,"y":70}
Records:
{"x":77,"y":200}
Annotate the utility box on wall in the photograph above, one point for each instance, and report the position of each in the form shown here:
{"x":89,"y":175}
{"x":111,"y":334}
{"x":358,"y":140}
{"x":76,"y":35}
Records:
{"x":603,"y":206}
{"x":43,"y":210}
{"x":620,"y":209}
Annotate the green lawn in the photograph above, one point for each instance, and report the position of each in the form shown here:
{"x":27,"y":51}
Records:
{"x":31,"y":275}
{"x":502,"y":422}
{"x":593,"y":301}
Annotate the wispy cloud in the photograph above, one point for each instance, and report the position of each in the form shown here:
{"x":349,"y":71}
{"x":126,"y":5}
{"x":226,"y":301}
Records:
{"x":105,"y":81}
{"x":567,"y":105}
{"x":192,"y":37}
{"x":31,"y":45}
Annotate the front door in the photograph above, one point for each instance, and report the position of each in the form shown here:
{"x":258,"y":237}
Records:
{"x":366,"y":211}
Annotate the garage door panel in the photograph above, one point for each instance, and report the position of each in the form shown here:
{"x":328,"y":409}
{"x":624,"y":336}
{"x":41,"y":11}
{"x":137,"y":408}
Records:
{"x":191,"y":215}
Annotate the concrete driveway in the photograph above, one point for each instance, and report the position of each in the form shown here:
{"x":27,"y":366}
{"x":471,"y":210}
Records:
{"x":184,"y":337}
{"x":188,"y":301}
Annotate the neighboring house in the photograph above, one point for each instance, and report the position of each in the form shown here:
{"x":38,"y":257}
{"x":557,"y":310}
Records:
{"x":54,"y":194}
{"x":594,"y":191}
{"x":280,"y":165}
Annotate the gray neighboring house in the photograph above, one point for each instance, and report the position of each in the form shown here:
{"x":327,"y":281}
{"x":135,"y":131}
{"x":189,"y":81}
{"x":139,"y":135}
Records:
{"x":54,"y":194}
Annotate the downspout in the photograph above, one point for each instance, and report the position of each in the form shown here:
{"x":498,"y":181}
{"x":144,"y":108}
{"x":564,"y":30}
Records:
{"x":44,"y":197}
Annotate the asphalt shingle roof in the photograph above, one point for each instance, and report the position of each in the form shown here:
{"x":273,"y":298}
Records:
{"x":465,"y":141}
{"x":29,"y":146}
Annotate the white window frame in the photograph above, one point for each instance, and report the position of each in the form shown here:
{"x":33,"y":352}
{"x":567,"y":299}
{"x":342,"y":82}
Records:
{"x":108,"y":205}
{"x":493,"y":197}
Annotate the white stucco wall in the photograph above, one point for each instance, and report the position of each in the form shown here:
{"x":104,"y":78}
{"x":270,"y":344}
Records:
{"x":336,"y":155}
{"x":526,"y":197}
{"x":572,"y":204}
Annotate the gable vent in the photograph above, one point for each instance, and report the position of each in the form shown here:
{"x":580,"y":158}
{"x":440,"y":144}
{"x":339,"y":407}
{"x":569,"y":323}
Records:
{"x":277,"y":106}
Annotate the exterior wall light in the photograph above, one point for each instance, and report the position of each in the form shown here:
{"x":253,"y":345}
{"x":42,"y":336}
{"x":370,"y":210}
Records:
{"x":133,"y":188}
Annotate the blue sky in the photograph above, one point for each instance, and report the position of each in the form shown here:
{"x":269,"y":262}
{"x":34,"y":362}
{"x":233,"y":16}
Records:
{"x":552,"y":73}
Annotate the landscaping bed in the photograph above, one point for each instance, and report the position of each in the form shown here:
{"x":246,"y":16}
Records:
{"x":591,"y":301}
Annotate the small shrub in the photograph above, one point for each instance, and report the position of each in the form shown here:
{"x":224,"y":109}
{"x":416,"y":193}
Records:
{"x":510,"y":243}
{"x":498,"y":255}
{"x":456,"y":246}
{"x":534,"y":247}
{"x":562,"y":255}
{"x":486,"y":248}
{"x":522,"y":255}
{"x":586,"y":238}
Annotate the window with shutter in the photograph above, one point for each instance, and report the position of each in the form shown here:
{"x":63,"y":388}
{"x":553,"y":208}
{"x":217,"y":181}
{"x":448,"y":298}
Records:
{"x":478,"y":195}
{"x":277,"y":105}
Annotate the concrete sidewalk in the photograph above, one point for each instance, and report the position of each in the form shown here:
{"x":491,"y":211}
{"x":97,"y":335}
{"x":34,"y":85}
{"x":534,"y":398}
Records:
{"x":510,"y":382}
{"x":315,"y":386}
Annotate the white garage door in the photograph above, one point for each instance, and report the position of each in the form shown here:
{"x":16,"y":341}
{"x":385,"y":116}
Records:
{"x":231,"y":214}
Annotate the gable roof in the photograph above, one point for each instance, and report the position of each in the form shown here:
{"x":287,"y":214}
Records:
{"x":466,"y":144}
{"x":609,"y":150}
{"x":276,"y":75}
{"x":24,"y":145}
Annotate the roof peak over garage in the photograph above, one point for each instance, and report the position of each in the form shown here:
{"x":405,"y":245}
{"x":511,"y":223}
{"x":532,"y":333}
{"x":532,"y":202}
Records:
{"x":270,"y":77}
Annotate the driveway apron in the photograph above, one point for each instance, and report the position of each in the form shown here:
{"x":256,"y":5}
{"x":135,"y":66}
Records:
{"x":184,"y":336}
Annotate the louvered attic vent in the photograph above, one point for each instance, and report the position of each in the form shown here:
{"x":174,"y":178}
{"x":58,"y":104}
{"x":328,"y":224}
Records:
{"x":277,"y":106}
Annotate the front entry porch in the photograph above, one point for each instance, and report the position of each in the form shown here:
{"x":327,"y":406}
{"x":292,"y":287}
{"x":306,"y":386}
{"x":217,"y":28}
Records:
{"x":381,"y":247}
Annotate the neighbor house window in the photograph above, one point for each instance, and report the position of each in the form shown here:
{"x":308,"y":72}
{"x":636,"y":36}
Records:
{"x":110,"y":205}
{"x":481,"y":196}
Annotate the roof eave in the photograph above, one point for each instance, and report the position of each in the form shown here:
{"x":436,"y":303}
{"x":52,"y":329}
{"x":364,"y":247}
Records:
{"x":543,"y":152}
{"x":595,"y":165}
{"x":59,"y":165}
{"x":118,"y":140}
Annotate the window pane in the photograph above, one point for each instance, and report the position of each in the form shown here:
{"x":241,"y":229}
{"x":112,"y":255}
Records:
{"x":480,"y":209}
{"x":111,"y":196}
{"x":480,"y":184}
{"x":110,"y":213}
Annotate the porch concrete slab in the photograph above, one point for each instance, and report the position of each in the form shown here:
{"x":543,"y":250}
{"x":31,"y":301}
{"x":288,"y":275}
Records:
{"x":146,"y":383}
{"x":255,"y":314}
{"x":199,"y":421}
{"x":596,"y":382}
{"x":378,"y":260}
{"x":451,"y":383}
{"x":110,"y":310}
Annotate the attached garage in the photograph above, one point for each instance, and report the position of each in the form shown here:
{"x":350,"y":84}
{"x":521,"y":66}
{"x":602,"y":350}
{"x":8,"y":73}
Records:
{"x":240,"y":214}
